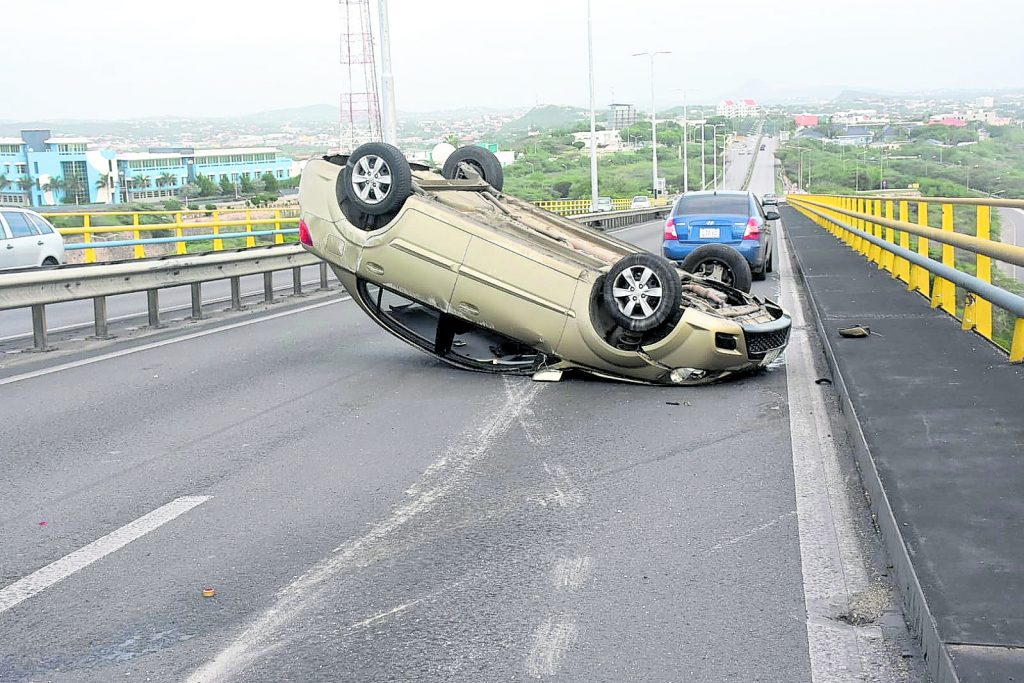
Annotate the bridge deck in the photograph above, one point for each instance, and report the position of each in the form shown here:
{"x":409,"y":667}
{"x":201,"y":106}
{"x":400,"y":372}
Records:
{"x":940,"y":413}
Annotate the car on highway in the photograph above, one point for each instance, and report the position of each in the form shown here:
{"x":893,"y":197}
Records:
{"x":27,"y":240}
{"x":722,"y":234}
{"x":640,"y":202}
{"x":769,"y":199}
{"x":604,"y":204}
{"x":484,"y":281}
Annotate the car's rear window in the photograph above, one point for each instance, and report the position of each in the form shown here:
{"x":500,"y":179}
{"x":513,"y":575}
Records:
{"x":707,"y":203}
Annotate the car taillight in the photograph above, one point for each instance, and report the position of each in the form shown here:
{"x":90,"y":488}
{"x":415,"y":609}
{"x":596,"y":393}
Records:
{"x":670,"y":229}
{"x":304,"y":235}
{"x":753,"y":231}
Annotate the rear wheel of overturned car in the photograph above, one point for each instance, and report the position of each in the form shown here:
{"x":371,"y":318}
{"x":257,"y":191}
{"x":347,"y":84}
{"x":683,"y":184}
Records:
{"x":377,"y":178}
{"x":470,"y":159}
{"x":720,"y":262}
{"x":641,"y":292}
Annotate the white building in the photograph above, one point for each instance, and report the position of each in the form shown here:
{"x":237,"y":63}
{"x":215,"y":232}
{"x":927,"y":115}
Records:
{"x":985,"y":102}
{"x":602,"y":138}
{"x":737,"y":109}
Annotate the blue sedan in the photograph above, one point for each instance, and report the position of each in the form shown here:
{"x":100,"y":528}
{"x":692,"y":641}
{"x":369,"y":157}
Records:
{"x":736,"y":221}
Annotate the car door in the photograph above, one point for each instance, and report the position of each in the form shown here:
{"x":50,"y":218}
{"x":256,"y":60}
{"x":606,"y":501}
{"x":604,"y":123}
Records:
{"x":766,"y":232}
{"x":53,"y":242}
{"x":23,"y":243}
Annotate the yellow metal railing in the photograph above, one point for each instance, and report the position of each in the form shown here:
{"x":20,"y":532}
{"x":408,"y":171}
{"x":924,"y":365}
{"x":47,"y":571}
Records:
{"x":888,"y":221}
{"x":246,"y":226}
{"x":574,"y":207}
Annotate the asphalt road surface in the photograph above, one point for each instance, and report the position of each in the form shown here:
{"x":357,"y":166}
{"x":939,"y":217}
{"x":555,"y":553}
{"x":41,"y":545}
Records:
{"x":364,"y":513}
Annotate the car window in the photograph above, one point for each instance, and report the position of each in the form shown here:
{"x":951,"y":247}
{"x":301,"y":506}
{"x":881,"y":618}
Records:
{"x":19,"y":225}
{"x":40,"y":224}
{"x":709,"y":203}
{"x":756,"y":209}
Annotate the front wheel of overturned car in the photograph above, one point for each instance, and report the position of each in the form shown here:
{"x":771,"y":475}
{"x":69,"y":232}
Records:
{"x":377,"y":178}
{"x":720,"y":262}
{"x":641,"y":292}
{"x":475,"y":159}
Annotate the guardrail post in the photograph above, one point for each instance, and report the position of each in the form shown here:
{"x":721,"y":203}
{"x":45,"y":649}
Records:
{"x":323,"y":275}
{"x":39,"y":327}
{"x":888,"y":259}
{"x":278,"y":237}
{"x":179,"y":232}
{"x":919,"y":276}
{"x":901,"y":267}
{"x":268,"y":287}
{"x":944,"y":291}
{"x":236,"y":293}
{"x":218,"y":244}
{"x":978,"y":311}
{"x":153,"y":306}
{"x":297,"y":280}
{"x":140,"y":249}
{"x":1017,"y":345}
{"x":90,"y":254}
{"x":197,"y":300}
{"x":99,"y":316}
{"x":250,"y":241}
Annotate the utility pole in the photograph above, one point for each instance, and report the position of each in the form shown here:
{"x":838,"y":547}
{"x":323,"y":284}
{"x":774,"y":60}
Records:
{"x":593,"y":115}
{"x":654,"y":120}
{"x":703,"y":164}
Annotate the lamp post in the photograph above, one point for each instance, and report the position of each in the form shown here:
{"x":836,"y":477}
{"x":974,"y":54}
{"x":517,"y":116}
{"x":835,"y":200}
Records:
{"x":593,"y":114}
{"x":714,"y":134}
{"x":389,"y":127}
{"x":686,"y":164}
{"x":654,"y":120}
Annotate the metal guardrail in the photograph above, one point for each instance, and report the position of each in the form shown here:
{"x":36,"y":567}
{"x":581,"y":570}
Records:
{"x":578,"y":207}
{"x":36,"y":289}
{"x":885,"y":240}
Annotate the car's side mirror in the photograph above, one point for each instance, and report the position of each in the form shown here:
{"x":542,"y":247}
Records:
{"x":772,"y":215}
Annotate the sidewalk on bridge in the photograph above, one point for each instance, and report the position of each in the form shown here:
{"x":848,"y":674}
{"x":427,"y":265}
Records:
{"x":937,"y":416}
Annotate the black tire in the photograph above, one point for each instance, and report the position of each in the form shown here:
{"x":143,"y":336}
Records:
{"x":721,"y":262}
{"x":50,"y":262}
{"x":770,"y":266}
{"x":480,"y":160}
{"x":377,"y":179}
{"x":622,"y":292}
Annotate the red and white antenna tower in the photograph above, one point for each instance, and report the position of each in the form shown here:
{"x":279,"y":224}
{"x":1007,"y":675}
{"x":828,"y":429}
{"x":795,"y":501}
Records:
{"x":360,"y":102}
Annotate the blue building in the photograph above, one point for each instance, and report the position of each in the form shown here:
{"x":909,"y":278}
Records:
{"x":40,"y":169}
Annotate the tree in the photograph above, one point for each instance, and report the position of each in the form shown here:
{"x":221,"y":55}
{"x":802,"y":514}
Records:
{"x":269,"y":182}
{"x":207,"y":187}
{"x":74,"y":185}
{"x":5,"y":182}
{"x":226,"y":186}
{"x":247,"y":185}
{"x":172,"y":204}
{"x":452,"y":140}
{"x":25,"y":184}
{"x":166,"y":179}
{"x":562,"y":188}
{"x":140,"y":182}
{"x":55,"y":185}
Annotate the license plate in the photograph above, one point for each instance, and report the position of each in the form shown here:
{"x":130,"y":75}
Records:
{"x":709,"y":233}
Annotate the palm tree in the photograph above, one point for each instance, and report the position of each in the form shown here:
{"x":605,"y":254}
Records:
{"x":103,"y":181}
{"x":5,"y":182}
{"x":25,"y":184}
{"x":140,"y":181}
{"x":166,"y":179}
{"x":54,"y":185}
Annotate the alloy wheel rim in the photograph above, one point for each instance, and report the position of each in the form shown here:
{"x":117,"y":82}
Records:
{"x":637,"y":292}
{"x":371,"y":179}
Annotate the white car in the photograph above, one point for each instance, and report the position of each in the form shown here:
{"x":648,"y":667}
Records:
{"x":640,"y":202}
{"x":604,"y":204}
{"x":27,"y":240}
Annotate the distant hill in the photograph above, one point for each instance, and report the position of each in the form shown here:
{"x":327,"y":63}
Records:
{"x":314,"y":113}
{"x":545,"y":117}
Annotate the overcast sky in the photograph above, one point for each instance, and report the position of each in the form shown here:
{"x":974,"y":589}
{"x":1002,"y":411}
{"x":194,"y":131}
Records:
{"x":118,"y":59}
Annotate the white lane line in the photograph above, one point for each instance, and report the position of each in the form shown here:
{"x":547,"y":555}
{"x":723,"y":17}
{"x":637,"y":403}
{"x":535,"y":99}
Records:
{"x":164,"y":342}
{"x":833,"y":566}
{"x":383,"y":615}
{"x":571,"y":572}
{"x":25,"y":588}
{"x":273,"y":628}
{"x":550,"y":641}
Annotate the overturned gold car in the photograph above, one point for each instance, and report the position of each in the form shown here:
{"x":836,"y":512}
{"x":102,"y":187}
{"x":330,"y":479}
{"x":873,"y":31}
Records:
{"x":487,"y":282}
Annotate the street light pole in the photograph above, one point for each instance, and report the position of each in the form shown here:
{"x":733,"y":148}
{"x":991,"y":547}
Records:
{"x":654,"y":121}
{"x":389,"y":127}
{"x":703,"y":163}
{"x":593,"y":114}
{"x":714,"y":134}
